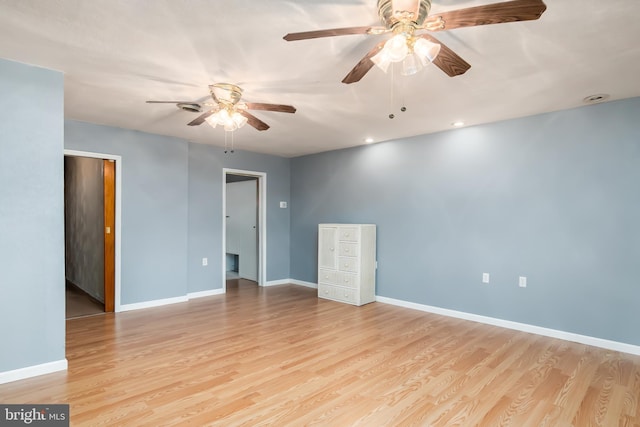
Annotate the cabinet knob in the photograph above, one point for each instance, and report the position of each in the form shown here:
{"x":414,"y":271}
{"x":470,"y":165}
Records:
{"x":346,"y":265}
{"x":331,"y":249}
{"x":346,"y":250}
{"x":326,"y":291}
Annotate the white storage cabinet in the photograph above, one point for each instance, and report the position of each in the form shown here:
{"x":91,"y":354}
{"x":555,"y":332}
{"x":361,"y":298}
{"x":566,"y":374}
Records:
{"x":347,"y":262}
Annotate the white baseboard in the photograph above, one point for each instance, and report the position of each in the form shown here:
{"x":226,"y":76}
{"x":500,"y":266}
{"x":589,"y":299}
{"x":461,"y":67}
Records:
{"x":33,"y":371}
{"x":303,"y":283}
{"x":154,"y":303}
{"x":291,"y":282}
{"x":200,"y":294}
{"x":553,"y":333}
{"x":277,"y":282}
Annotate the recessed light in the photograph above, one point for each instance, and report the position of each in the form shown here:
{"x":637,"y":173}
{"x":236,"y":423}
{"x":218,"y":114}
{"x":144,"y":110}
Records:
{"x":457,"y":124}
{"x":368,"y":140}
{"x":599,"y":97}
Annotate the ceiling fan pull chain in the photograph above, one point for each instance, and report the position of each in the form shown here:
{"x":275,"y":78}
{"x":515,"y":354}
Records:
{"x":391,"y":115}
{"x":232,"y":141}
{"x":225,"y":142}
{"x":403,"y":90}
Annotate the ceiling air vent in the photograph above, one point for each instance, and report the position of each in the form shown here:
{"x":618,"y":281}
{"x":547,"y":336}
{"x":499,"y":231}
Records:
{"x":193,"y":108}
{"x":592,"y":99}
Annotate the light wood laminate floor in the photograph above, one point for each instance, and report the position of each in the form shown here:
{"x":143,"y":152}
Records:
{"x":278,"y":356}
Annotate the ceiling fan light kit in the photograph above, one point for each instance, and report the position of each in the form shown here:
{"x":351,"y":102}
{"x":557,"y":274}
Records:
{"x":404,"y":18}
{"x":414,"y":53}
{"x":228,"y":118}
{"x":228,"y":98}
{"x":227,"y":110}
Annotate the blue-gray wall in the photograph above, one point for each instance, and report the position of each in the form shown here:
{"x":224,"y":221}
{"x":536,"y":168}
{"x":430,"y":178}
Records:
{"x":154,"y":207}
{"x":552,"y":197}
{"x":84,"y":224}
{"x":206,"y":164}
{"x":32,"y":324}
{"x":172,"y":209}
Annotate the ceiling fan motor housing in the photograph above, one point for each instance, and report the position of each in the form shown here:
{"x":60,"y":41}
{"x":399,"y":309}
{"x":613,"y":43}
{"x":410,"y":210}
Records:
{"x":225,"y":93}
{"x":392,"y":12}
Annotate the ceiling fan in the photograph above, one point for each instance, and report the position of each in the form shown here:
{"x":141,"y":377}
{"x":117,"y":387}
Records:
{"x":227,"y":109}
{"x":405,"y":19}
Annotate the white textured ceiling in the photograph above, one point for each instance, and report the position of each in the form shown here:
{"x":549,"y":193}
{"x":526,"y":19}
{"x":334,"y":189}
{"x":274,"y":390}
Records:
{"x":116,"y":54}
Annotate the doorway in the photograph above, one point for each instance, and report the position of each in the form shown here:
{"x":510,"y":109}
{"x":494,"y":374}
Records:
{"x":244,"y":225}
{"x":92,"y":232}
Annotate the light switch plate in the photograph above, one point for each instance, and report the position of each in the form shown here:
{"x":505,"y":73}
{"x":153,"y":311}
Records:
{"x":283,"y":205}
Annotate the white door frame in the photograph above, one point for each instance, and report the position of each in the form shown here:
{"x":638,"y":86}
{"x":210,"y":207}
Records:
{"x":262,"y":223}
{"x":118,"y":219}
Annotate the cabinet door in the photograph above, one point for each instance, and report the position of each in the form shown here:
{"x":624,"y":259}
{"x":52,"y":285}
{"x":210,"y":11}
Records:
{"x":327,"y":251}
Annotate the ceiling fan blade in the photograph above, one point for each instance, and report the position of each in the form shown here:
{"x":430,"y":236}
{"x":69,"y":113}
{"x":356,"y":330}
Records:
{"x":254,"y":121}
{"x":497,"y":13}
{"x":201,"y":118}
{"x":271,"y":107}
{"x":363,"y":66}
{"x":326,"y":33}
{"x":447,"y":60}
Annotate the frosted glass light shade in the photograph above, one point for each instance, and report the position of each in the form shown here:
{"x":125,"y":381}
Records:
{"x":230,"y":121}
{"x":381,"y":60}
{"x":411,"y":65}
{"x":239,"y":119}
{"x":426,"y":50}
{"x":396,"y":48}
{"x":212,"y":120}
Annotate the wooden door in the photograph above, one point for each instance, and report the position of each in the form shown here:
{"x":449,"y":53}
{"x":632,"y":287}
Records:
{"x":109,"y":182}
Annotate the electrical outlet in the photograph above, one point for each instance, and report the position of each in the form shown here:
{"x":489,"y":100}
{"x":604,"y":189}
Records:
{"x":485,"y":277}
{"x":522,"y":282}
{"x":205,"y":262}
